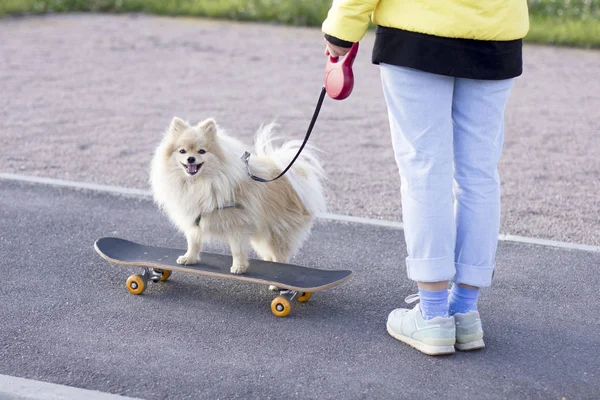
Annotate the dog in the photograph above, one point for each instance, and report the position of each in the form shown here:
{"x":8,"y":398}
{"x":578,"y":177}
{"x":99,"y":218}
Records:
{"x":198,"y":178}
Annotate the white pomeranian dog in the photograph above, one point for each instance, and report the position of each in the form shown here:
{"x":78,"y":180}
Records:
{"x":200,"y":181}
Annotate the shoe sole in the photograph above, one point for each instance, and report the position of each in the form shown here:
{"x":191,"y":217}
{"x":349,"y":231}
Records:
{"x":476,"y":345}
{"x":428,"y":349}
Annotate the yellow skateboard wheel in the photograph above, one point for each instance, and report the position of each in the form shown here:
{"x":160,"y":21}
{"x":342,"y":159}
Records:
{"x":165,"y":275}
{"x":280,"y":306}
{"x":305,"y":296}
{"x":136,"y":284}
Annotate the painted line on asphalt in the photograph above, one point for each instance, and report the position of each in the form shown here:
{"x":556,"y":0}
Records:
{"x":326,"y":216}
{"x":549,"y":243}
{"x":14,"y":388}
{"x":359,"y":220}
{"x":75,"y":185}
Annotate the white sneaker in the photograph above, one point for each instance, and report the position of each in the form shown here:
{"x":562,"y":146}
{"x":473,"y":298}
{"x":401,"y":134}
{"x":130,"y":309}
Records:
{"x":469,"y":332}
{"x":434,"y":336}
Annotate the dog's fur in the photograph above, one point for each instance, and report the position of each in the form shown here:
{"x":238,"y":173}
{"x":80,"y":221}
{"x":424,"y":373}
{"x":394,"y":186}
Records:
{"x":274,"y":217}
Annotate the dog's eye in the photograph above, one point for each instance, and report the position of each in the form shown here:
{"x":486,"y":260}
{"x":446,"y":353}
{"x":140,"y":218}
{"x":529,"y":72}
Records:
{"x":201,"y":151}
{"x":182,"y":151}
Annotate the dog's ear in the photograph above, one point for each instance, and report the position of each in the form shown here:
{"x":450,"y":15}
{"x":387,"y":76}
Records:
{"x":209,"y":126}
{"x":177,"y":126}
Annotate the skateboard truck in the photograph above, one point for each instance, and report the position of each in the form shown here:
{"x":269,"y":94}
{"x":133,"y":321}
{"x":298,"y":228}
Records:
{"x":154,"y":275}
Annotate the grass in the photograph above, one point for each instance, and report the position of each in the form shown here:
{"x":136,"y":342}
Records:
{"x":569,"y":32}
{"x":565,"y":22}
{"x":560,"y":22}
{"x":292,"y":12}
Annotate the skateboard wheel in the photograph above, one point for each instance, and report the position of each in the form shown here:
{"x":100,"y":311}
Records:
{"x":304,"y":297}
{"x":165,"y":275}
{"x":136,"y":284}
{"x":280,"y":306}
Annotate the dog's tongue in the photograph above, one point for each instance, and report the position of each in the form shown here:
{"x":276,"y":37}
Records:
{"x":192,"y":168}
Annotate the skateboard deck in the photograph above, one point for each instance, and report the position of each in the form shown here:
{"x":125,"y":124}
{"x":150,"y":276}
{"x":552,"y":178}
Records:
{"x":293,"y":281}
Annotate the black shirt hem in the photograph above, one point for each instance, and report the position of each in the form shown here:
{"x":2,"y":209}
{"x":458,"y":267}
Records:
{"x":460,"y":58}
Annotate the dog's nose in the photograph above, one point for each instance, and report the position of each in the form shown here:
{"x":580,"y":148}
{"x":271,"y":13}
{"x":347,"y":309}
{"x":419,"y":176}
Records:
{"x":191,"y":160}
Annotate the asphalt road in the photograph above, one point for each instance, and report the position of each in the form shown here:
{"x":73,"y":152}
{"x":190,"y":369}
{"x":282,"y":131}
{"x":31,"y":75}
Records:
{"x":67,"y":317}
{"x":86,"y":97}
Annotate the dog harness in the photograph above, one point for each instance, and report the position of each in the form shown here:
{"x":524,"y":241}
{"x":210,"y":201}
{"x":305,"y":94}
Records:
{"x":232,"y":205}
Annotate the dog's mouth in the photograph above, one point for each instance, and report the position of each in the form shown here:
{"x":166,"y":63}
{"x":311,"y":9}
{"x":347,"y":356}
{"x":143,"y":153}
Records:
{"x":192,"y":169}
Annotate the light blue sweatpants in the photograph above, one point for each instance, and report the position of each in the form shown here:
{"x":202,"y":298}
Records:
{"x":447,"y":136}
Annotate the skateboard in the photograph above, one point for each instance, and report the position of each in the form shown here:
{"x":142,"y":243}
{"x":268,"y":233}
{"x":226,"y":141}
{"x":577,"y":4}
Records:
{"x":293,"y":282}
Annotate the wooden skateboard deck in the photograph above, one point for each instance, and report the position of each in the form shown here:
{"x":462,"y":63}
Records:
{"x":293,"y":281}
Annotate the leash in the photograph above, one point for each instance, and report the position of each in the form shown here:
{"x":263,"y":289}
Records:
{"x":246,"y":155}
{"x":339,"y":81}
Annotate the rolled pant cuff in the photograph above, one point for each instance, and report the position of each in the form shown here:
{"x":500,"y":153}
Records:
{"x":474,"y":276}
{"x":431,"y":269}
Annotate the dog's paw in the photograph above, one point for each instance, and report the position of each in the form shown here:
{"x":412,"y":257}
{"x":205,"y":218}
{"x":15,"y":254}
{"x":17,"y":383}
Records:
{"x":187,"y":260}
{"x":273,"y":288}
{"x":237,"y":268}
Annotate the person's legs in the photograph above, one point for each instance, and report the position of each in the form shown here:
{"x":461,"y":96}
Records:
{"x":478,"y":119}
{"x":420,"y":115}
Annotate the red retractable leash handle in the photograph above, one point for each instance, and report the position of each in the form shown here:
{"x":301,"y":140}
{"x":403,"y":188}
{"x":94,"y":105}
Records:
{"x":339,"y":82}
{"x":339,"y":78}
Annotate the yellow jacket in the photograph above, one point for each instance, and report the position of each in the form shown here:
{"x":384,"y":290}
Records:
{"x":468,"y":19}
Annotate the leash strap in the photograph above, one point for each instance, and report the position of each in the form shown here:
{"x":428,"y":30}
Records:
{"x":246,"y":155}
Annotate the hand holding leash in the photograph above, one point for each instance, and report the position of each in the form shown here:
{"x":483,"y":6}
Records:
{"x":339,"y":78}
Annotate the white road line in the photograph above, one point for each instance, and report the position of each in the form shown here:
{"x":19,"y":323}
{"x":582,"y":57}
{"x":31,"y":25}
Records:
{"x":359,"y":220}
{"x":14,"y":388}
{"x":331,"y":217}
{"x":549,"y":243}
{"x":76,"y":185}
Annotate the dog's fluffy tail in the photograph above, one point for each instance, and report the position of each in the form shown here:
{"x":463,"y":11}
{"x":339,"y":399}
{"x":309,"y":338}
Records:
{"x":306,"y":175}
